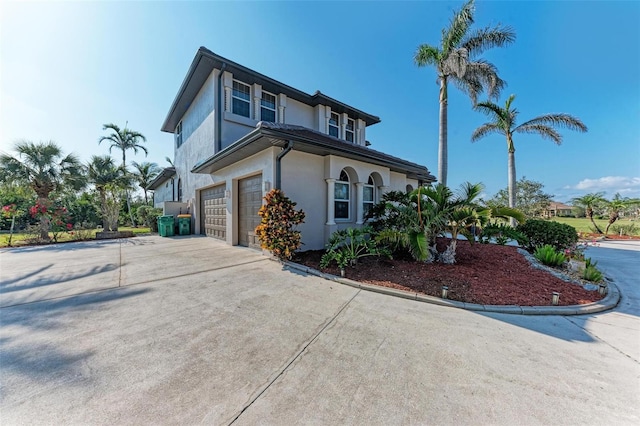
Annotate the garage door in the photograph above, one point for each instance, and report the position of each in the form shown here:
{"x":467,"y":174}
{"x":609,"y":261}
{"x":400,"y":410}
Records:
{"x":214,"y":212}
{"x":249,"y":202}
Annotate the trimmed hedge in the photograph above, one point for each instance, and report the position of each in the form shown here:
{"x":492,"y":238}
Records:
{"x":541,"y":232}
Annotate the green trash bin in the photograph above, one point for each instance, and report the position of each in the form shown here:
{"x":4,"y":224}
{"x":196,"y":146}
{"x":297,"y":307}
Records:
{"x":184,"y":224}
{"x":165,"y":226}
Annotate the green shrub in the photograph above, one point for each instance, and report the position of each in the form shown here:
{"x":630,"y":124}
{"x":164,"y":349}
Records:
{"x":346,"y":246}
{"x":275,"y":231}
{"x":541,"y":232}
{"x":502,"y":234}
{"x":548,"y":255}
{"x":591,"y":273}
{"x":628,"y":230}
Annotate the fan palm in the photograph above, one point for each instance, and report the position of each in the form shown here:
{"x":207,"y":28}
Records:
{"x":589,"y":202}
{"x":124,"y":140}
{"x":45,"y":169}
{"x":145,"y":173}
{"x":614,"y":207}
{"x":455,"y":60}
{"x":503,"y":121}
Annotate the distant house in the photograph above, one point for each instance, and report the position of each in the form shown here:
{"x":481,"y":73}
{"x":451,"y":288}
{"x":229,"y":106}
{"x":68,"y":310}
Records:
{"x":238,"y":133}
{"x":556,"y":209}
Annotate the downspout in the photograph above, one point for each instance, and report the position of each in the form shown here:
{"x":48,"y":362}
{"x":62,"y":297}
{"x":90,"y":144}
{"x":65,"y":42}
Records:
{"x":282,"y":153}
{"x":218,"y":144}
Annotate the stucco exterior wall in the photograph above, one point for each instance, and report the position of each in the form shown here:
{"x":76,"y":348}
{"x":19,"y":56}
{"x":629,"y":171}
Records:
{"x":163,"y":193}
{"x":399,"y":182}
{"x":303,"y":182}
{"x":299,"y":114}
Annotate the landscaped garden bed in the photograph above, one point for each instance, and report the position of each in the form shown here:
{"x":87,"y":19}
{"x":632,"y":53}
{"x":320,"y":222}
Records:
{"x":483,"y":273}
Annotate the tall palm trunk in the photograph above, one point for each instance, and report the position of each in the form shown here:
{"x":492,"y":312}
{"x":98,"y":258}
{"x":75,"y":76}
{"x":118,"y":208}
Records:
{"x":45,"y":222}
{"x":512,"y":176}
{"x":442,"y":137}
{"x":590,"y":215}
{"x":613,"y":216}
{"x":124,"y":170}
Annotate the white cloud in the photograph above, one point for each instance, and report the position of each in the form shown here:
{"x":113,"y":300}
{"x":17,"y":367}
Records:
{"x":619,"y":183}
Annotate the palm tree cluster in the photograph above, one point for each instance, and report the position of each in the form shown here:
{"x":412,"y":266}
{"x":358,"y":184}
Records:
{"x":48,"y":172}
{"x":614,"y":207}
{"x":456,"y":60}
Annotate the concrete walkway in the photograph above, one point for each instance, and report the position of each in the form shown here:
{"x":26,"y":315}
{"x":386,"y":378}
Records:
{"x":187,"y":330}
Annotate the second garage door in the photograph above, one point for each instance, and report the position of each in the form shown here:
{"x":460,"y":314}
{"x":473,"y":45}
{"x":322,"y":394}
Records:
{"x":249,"y":202}
{"x":214,"y":212}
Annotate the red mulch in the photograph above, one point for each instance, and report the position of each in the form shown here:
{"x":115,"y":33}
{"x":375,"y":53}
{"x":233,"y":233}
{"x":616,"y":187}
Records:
{"x":484,"y":273}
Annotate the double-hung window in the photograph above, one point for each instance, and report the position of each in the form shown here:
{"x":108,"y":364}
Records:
{"x":350,"y":130}
{"x":341,"y":197}
{"x":268,"y":107}
{"x":334,"y":125}
{"x":368,"y":196}
{"x":178,"y":134}
{"x":241,"y":99}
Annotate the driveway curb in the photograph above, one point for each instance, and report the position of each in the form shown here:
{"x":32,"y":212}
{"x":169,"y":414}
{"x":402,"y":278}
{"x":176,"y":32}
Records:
{"x":610,"y":301}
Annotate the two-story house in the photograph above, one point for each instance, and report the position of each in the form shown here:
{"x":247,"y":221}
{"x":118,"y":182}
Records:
{"x":239,"y":133}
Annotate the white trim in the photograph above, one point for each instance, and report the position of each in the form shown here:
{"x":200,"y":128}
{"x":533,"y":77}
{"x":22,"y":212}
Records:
{"x":247,"y":101}
{"x":275,"y":105}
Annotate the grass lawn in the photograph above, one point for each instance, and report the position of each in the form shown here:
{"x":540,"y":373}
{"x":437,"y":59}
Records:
{"x":583,"y":224}
{"x":21,"y":238}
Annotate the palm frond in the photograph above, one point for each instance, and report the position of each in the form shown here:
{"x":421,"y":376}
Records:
{"x":427,"y":55}
{"x":565,"y":121}
{"x":540,"y":129}
{"x":484,"y":38}
{"x":485,"y":74}
{"x":458,"y":28}
{"x":485,"y":130}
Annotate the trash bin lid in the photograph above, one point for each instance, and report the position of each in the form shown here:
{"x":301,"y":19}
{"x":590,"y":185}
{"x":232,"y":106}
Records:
{"x":184,"y":216}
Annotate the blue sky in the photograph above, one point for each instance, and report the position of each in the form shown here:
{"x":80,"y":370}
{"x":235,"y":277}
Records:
{"x":67,"y":68}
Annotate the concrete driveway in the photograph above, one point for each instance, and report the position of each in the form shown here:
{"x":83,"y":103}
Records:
{"x":187,"y":330}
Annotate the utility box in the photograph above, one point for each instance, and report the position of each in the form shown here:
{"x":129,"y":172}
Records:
{"x":166,"y":226}
{"x":184,"y":224}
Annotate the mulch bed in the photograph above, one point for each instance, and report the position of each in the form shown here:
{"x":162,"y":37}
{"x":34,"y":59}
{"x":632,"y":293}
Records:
{"x":484,"y":273}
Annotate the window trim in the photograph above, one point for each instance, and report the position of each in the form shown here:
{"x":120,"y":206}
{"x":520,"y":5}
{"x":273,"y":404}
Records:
{"x":336,"y":126}
{"x":275,"y":106}
{"x":178,"y":134}
{"x":351,"y":131}
{"x":347,"y":200}
{"x":233,"y":96}
{"x":370,"y":184}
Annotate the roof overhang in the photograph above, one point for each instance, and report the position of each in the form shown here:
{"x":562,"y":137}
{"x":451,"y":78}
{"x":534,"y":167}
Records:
{"x":262,"y":138}
{"x":206,"y":61}
{"x":163,"y":176}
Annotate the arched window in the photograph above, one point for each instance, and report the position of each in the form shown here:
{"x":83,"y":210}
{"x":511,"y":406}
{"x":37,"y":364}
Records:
{"x":409,"y":188}
{"x":342,"y":196}
{"x":368,"y":195}
{"x":179,"y":189}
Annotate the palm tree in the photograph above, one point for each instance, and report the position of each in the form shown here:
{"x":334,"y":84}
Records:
{"x":108,"y":180}
{"x":614,"y":207}
{"x":144,"y":174}
{"x":124,"y":140}
{"x":45,"y":169}
{"x":503,"y":121}
{"x":455,"y":60}
{"x":589,"y":201}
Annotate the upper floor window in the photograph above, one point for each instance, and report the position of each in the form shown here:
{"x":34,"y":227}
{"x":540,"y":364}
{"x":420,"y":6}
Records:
{"x":268,"y":107}
{"x":368,"y":195}
{"x":341,"y":196}
{"x":241,"y":99}
{"x":178,"y":134}
{"x":350,"y":130}
{"x":334,"y":125}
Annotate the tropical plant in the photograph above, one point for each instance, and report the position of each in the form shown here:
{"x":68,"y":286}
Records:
{"x":144,"y":173}
{"x":502,"y":233}
{"x":278,"y":217}
{"x":503,"y":121}
{"x":628,"y":229}
{"x":590,"y":202}
{"x":456,"y":61}
{"x":110,"y":182}
{"x":591,"y":273}
{"x":346,"y":246}
{"x":45,"y":169}
{"x":548,"y":255}
{"x":542,"y":232}
{"x":615,"y":207}
{"x":530,"y":198}
{"x":124,"y":140}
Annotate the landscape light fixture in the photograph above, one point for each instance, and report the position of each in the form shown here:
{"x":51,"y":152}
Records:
{"x":602,"y":289}
{"x":445,"y":291}
{"x":555,"y":298}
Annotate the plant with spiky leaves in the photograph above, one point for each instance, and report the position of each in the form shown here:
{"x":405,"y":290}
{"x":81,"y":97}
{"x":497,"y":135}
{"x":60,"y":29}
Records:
{"x":456,"y":61}
{"x":589,"y":202}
